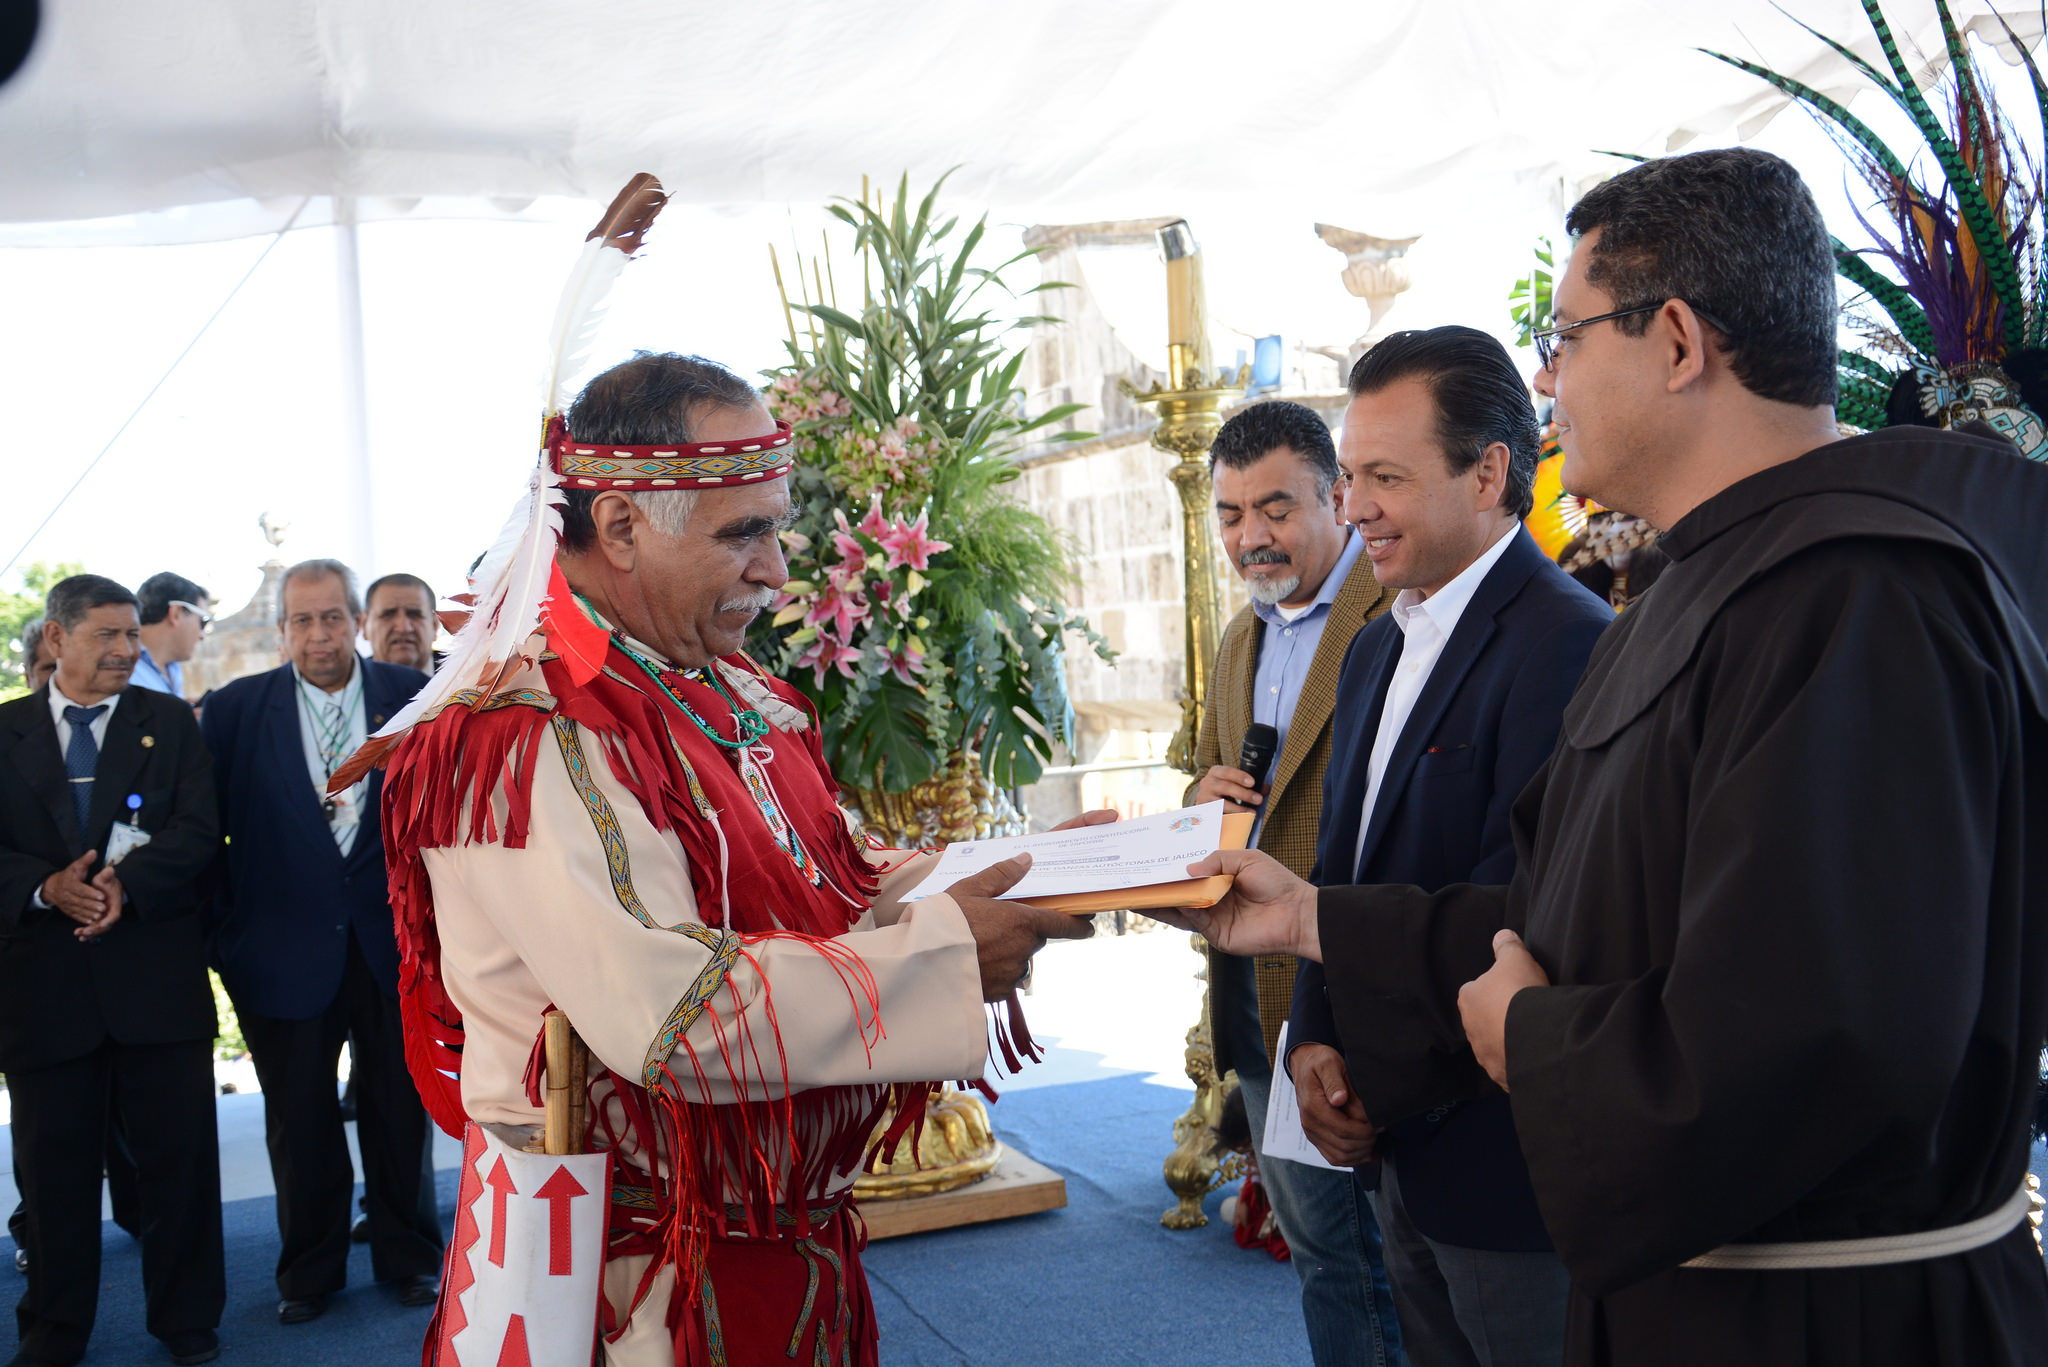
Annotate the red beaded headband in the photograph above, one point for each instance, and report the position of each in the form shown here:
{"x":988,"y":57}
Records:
{"x":699,"y":465}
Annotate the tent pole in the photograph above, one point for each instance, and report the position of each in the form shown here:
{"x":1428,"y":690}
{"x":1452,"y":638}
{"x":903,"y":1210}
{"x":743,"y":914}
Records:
{"x":360,"y":535}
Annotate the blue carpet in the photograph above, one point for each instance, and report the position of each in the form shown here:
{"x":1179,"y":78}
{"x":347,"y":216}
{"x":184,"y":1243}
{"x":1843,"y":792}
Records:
{"x":1100,"y":1282}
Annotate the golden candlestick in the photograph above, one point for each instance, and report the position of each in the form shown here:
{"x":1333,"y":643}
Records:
{"x":1189,"y":419}
{"x":1190,"y":414}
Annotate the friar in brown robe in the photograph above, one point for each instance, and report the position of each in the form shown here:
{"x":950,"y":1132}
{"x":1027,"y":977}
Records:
{"x":1784,"y":880}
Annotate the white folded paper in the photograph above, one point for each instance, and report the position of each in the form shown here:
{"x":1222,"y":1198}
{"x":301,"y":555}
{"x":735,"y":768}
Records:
{"x":1284,"y":1135}
{"x":1123,"y":854}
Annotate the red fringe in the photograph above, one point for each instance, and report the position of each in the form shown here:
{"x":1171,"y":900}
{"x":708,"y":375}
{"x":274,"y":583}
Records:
{"x":447,"y":781}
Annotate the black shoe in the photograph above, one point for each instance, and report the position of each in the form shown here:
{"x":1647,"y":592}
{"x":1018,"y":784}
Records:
{"x":192,"y":1346}
{"x":360,"y":1233}
{"x":420,"y":1290}
{"x":291,"y":1311}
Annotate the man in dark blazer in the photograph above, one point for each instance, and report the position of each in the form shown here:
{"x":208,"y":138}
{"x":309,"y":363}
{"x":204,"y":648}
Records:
{"x":303,"y":937}
{"x":1455,"y":698}
{"x":107,"y":833}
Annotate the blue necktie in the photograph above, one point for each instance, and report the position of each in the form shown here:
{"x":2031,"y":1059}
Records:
{"x":81,"y":757}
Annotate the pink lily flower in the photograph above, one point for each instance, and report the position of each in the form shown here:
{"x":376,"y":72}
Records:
{"x":839,"y":608}
{"x":912,"y":545}
{"x":845,"y":542}
{"x":906,"y":663}
{"x":874,"y":524}
{"x":828,"y":652}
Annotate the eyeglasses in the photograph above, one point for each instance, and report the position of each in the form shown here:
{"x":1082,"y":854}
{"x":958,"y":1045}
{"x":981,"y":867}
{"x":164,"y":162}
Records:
{"x":1546,"y":343}
{"x":205,"y":618}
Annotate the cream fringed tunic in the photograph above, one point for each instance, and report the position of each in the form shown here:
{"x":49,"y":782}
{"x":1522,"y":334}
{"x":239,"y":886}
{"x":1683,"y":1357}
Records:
{"x":522,"y":929}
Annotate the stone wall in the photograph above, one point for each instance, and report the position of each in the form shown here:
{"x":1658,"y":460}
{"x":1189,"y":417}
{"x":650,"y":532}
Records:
{"x":1111,"y":497}
{"x":244,"y":642}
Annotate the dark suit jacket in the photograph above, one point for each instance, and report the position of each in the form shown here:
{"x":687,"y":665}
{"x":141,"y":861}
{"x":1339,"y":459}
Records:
{"x":144,"y":981}
{"x":287,"y":900}
{"x":1484,"y":723}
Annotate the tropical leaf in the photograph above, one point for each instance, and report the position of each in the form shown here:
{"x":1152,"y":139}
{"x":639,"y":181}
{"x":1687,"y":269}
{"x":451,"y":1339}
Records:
{"x":882,"y":738}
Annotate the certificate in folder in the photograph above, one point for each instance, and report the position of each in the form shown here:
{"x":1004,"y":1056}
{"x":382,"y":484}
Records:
{"x":1137,"y":865}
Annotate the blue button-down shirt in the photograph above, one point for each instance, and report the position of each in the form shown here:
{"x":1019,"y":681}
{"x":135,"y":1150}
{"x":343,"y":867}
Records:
{"x":149,"y":674}
{"x":1287,"y":650}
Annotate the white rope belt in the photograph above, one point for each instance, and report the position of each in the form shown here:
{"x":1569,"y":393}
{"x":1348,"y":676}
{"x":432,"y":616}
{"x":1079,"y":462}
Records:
{"x":1887,"y":1248}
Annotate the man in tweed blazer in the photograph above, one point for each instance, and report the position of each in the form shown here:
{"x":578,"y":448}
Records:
{"x":1312,"y":589}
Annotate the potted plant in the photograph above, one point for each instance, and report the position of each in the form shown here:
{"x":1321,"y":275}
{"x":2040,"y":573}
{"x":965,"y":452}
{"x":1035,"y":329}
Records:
{"x":925,"y":613}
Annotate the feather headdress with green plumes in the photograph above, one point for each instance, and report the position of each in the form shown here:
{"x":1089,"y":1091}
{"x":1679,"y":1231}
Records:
{"x":1963,"y":335}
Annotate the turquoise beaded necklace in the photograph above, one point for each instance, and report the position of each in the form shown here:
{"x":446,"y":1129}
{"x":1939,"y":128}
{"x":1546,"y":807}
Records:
{"x":747,"y":722}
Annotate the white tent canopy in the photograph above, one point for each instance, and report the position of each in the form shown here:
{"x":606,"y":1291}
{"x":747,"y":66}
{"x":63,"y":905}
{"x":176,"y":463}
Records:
{"x":1054,"y":110}
{"x":371,"y":386}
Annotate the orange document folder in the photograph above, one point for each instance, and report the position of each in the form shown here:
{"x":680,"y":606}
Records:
{"x":1185,"y":892}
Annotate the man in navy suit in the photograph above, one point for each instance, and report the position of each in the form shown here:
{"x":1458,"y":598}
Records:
{"x":303,"y":937}
{"x":1453,"y":701}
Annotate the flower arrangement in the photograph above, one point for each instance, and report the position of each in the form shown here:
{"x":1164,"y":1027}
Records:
{"x":925,"y":614}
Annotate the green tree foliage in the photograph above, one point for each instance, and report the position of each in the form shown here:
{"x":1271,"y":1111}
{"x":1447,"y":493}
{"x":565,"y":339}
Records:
{"x":17,"y":609}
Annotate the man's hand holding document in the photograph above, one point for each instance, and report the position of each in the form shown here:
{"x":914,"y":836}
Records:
{"x":1138,"y":864}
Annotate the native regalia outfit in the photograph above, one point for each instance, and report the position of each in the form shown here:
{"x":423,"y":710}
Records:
{"x":575,"y":822}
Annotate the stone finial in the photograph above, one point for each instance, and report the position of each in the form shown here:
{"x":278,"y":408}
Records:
{"x":1373,"y":271}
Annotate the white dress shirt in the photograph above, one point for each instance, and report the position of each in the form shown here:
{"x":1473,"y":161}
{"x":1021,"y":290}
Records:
{"x":344,"y":717}
{"x":58,"y":702}
{"x":1426,"y":624}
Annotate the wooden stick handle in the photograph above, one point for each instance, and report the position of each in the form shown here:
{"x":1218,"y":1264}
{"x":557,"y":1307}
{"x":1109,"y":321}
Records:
{"x":560,"y":1134}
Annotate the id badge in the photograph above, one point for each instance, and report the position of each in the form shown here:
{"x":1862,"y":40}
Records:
{"x":124,"y":839}
{"x":345,"y":809}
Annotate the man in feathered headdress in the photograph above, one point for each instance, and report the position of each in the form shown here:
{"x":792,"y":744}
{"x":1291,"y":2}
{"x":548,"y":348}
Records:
{"x":602,"y":806}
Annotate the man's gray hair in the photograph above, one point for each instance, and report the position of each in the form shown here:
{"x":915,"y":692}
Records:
{"x":668,"y":510}
{"x":321,"y":569}
{"x":31,"y":637}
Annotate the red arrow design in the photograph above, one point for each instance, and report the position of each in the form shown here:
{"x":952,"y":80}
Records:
{"x":514,"y":1352}
{"x":500,"y":1182}
{"x":558,"y":1191}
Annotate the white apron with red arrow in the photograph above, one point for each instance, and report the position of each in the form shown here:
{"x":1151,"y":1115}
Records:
{"x":525,"y":1266}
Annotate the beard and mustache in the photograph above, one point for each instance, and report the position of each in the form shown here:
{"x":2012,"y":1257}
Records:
{"x":1269,"y":589}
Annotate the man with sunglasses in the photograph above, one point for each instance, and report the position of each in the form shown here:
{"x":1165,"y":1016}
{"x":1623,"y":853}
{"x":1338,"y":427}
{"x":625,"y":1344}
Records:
{"x":175,"y":616}
{"x":1772,"y":1041}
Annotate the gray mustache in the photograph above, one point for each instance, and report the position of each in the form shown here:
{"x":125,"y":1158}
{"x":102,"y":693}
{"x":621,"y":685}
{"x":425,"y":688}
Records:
{"x":757,"y":601}
{"x":1269,"y":556}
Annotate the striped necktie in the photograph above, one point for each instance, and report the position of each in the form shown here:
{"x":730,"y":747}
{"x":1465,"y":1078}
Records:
{"x":81,"y":757}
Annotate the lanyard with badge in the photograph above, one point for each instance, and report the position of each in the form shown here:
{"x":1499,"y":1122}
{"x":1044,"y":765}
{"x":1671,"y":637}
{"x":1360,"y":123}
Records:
{"x":330,"y":725}
{"x":127,"y":837}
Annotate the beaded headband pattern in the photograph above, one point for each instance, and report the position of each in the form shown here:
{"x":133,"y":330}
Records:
{"x":699,"y":465}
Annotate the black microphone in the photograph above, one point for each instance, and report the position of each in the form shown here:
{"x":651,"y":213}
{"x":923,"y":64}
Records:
{"x":1260,"y":741}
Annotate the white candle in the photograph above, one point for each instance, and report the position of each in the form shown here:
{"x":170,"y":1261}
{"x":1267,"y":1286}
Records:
{"x":1187,"y":314}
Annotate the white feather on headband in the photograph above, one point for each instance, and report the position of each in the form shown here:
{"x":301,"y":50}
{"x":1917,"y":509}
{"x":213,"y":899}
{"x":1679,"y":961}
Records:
{"x":511,"y":581}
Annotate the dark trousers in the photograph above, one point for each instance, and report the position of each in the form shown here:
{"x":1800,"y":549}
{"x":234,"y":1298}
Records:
{"x":1469,"y":1307}
{"x":60,"y":1145}
{"x":296,"y":1061}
